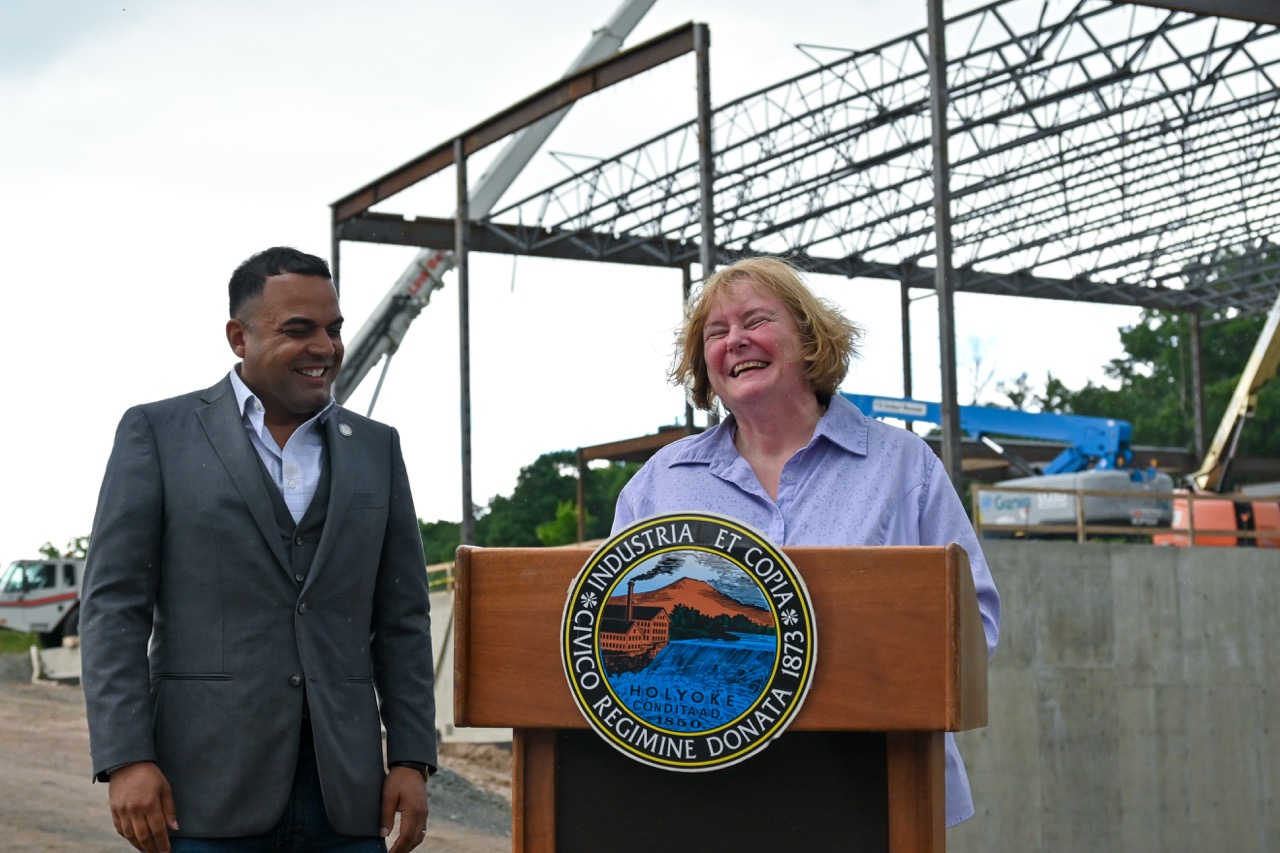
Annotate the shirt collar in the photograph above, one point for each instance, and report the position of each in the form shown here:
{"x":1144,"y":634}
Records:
{"x":250,"y":407}
{"x":841,"y":424}
{"x":844,"y":426}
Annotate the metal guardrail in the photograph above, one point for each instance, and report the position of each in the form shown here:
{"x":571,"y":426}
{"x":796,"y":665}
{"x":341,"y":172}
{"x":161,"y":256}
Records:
{"x":440,"y":578}
{"x":1083,"y":530}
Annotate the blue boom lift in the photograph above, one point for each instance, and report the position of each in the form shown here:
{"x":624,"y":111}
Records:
{"x":1097,"y":457}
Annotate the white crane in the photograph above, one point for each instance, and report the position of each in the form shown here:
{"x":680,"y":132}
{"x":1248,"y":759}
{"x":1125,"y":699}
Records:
{"x":385,"y":329}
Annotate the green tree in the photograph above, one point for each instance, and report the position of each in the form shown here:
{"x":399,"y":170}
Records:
{"x":1154,"y":386}
{"x":604,"y":483}
{"x":1017,"y":391}
{"x":77,"y":549}
{"x":541,"y":487}
{"x":541,"y":510}
{"x":564,"y":529}
{"x":1153,"y":380}
{"x":440,"y":540}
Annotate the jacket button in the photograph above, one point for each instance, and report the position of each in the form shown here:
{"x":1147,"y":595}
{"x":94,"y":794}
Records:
{"x":297,"y":541}
{"x":295,"y":680}
{"x":299,"y":577}
{"x":302,"y":608}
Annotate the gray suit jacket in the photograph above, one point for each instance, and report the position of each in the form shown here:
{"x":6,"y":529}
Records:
{"x":197,"y":637}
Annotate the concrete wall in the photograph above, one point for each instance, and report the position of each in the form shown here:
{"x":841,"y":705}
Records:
{"x":1134,"y":702}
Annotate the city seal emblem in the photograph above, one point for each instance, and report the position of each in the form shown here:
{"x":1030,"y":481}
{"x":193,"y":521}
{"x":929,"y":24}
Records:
{"x":688,"y":641}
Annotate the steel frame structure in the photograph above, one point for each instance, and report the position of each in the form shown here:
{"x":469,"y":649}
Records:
{"x":1100,"y":152}
{"x":1097,"y":151}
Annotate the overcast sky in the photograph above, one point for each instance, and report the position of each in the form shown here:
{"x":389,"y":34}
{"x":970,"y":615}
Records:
{"x":146,"y":148}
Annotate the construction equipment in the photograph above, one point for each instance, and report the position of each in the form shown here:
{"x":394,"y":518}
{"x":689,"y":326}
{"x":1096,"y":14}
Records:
{"x":1241,"y":512}
{"x":1098,"y":458}
{"x":384,"y":331}
{"x":42,"y":597}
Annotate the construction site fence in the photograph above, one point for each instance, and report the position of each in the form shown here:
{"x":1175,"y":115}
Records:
{"x":440,"y":577}
{"x":1082,"y":530}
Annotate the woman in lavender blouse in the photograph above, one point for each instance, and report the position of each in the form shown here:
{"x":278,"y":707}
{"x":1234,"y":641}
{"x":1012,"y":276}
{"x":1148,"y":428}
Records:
{"x":793,"y":459}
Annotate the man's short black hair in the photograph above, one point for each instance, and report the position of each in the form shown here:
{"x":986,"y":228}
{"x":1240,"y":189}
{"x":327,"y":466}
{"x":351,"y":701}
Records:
{"x":248,"y":279}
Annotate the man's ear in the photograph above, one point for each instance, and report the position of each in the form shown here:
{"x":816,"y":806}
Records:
{"x":235,"y":336}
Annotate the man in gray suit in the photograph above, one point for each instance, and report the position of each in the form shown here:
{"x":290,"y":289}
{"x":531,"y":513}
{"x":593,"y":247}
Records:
{"x":255,"y":601}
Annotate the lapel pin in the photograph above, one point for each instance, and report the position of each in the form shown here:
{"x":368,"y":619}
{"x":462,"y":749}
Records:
{"x":344,"y":429}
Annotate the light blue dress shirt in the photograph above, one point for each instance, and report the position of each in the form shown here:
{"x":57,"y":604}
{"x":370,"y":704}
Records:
{"x":858,"y":482}
{"x":296,"y":467}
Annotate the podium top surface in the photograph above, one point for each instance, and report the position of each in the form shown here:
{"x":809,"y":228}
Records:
{"x":900,"y":642}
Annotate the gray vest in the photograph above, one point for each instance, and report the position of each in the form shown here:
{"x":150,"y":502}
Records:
{"x":302,"y":537}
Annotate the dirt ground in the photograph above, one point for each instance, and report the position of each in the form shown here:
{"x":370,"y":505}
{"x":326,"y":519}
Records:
{"x":48,"y":805}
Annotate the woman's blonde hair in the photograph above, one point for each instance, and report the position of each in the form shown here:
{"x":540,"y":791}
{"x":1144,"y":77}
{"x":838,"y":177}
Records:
{"x":828,"y":339}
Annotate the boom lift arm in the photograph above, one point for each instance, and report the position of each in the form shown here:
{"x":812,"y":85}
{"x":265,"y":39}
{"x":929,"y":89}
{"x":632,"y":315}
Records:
{"x":1258,"y":370}
{"x":1093,"y":443}
{"x":383,"y":332}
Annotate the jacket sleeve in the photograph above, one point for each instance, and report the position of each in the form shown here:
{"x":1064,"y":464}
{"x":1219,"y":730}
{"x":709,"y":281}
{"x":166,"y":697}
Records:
{"x":403,"y":662}
{"x":118,"y":597}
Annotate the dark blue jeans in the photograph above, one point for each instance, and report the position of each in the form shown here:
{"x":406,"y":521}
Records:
{"x":303,"y":827}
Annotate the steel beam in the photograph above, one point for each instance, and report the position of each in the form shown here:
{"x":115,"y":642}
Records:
{"x":497,"y":238}
{"x":1258,"y":11}
{"x":943,"y":274}
{"x":574,"y":87}
{"x":706,"y":157}
{"x":462,"y":255}
{"x":1100,"y":154}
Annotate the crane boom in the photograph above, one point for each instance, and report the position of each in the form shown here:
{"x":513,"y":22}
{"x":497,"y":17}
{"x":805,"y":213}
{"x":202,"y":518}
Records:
{"x":383,"y":332}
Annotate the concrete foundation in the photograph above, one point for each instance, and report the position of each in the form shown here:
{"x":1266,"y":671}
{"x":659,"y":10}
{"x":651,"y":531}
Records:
{"x":1134,"y":702}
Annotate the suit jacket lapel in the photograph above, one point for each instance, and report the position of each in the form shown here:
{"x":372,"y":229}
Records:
{"x":340,"y":447}
{"x":224,"y":425}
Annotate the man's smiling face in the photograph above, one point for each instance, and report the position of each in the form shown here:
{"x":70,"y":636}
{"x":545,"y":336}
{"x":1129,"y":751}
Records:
{"x":290,"y":338}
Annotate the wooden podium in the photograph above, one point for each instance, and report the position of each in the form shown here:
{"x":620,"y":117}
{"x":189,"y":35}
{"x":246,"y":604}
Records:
{"x":901,"y":658}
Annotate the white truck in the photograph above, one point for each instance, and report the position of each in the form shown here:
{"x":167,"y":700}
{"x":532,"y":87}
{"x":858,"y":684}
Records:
{"x":42,"y":597}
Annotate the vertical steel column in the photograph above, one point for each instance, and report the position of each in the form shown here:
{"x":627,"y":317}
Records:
{"x":706,"y":164}
{"x":686,"y":288}
{"x":706,"y":169}
{"x":462,"y":237}
{"x":334,"y":243}
{"x":1197,"y":386}
{"x":906,"y":338}
{"x":943,"y":275}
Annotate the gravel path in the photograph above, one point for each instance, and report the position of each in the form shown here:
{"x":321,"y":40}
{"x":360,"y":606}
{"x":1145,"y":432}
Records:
{"x":48,"y":804}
